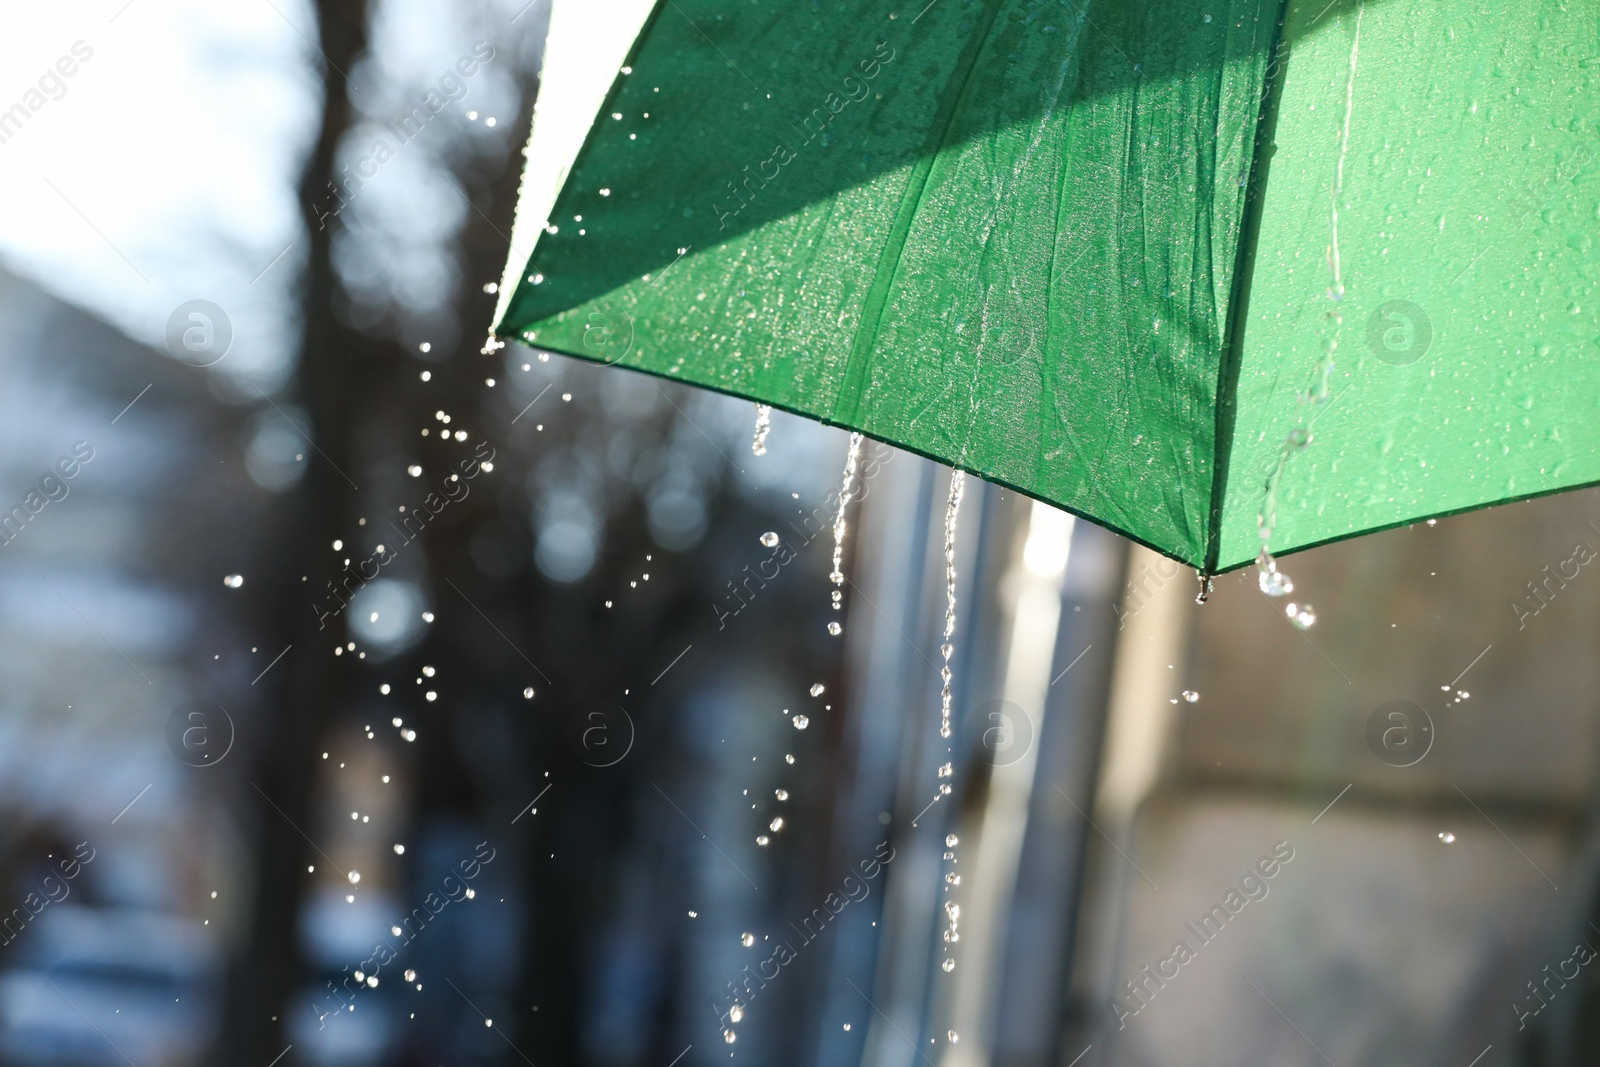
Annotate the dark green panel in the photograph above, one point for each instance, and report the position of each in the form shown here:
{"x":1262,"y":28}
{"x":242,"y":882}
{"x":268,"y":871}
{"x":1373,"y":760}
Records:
{"x":1001,"y":234}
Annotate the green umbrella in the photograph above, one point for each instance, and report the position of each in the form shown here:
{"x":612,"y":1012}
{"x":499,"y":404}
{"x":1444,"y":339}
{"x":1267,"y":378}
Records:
{"x":1207,"y":272}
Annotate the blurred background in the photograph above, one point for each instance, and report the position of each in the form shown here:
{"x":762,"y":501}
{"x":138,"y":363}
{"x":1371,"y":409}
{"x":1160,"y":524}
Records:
{"x":367,"y":699}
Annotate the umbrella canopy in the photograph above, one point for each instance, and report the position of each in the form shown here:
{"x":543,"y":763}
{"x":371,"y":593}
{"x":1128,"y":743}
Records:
{"x":1172,"y":265}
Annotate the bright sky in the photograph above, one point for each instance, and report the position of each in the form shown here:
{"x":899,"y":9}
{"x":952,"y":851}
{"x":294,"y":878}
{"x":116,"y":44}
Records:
{"x":162,"y":169}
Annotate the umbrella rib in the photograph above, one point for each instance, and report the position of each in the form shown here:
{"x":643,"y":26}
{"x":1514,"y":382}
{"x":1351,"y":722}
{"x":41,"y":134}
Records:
{"x":1239,"y":294}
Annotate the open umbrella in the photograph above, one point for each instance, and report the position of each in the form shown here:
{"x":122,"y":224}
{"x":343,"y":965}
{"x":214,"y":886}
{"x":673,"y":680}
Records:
{"x":1218,"y":274}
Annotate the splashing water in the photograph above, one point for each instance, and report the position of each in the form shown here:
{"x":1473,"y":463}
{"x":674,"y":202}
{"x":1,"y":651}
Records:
{"x":763,"y":427}
{"x":852,"y":461}
{"x":1272,"y":581}
{"x":952,"y":910}
{"x":958,"y":481}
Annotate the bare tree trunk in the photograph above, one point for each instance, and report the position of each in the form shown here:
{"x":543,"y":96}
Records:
{"x":311,"y":684}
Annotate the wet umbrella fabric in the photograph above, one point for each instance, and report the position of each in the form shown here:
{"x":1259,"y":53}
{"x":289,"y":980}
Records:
{"x":1091,"y":250}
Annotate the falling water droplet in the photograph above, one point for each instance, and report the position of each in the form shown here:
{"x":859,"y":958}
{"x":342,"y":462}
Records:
{"x":728,"y":1036}
{"x":835,"y":629}
{"x":816,"y":690}
{"x":781,"y":794}
{"x":1190,"y":695}
{"x":1272,"y":581}
{"x":527,"y":694}
{"x":747,"y":940}
{"x":852,"y":460}
{"x":1447,"y":837}
{"x":763,"y":427}
{"x":952,"y":1035}
{"x":233,"y":581}
{"x":770,"y":539}
{"x":735,"y":1013}
{"x":948,"y":965}
{"x":776,"y":824}
{"x":951,"y":841}
{"x":801,"y":722}
{"x":762,"y":840}
{"x":1301,"y":615}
